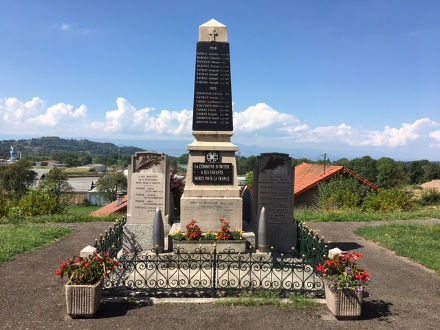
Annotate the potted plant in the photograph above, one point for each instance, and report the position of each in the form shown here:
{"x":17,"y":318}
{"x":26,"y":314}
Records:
{"x":84,"y":289}
{"x":225,"y":240}
{"x":345,"y":284}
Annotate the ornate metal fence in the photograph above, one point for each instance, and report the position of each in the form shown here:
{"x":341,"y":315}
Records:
{"x":112,"y":239}
{"x":214,"y":274}
{"x":311,"y":246}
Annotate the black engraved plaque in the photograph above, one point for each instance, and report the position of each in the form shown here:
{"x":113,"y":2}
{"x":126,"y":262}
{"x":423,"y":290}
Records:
{"x":213,"y":173}
{"x":212,"y":91}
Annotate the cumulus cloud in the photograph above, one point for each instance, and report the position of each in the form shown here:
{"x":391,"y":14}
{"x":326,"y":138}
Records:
{"x":131,"y":121}
{"x":262,"y":116}
{"x":24,"y":117}
{"x":396,"y":137}
{"x":435,"y":135}
{"x":259,"y":124}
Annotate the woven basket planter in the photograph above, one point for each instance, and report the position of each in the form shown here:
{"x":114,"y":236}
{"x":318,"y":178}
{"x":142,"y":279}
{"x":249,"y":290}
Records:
{"x":83,"y":300}
{"x":344,"y":303}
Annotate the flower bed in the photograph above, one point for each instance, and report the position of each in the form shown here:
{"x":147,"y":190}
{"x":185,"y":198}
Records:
{"x":196,"y":241}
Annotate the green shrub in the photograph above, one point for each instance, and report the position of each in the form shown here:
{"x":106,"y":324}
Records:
{"x":341,"y":193}
{"x":430,"y":196}
{"x":389,"y":200}
{"x":39,"y":202}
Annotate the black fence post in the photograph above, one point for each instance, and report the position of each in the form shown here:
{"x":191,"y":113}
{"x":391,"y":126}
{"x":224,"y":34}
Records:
{"x":214,"y":272}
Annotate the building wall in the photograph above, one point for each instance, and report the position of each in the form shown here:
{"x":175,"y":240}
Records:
{"x":307,"y":198}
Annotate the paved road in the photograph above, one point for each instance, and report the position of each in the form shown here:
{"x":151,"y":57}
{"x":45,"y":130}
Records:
{"x":405,"y":295}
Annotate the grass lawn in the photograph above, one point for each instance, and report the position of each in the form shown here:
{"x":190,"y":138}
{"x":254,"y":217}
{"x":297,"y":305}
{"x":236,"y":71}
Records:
{"x":420,"y":243}
{"x":19,"y":239}
{"x":77,"y":213}
{"x":268,"y":298}
{"x":314,"y":215}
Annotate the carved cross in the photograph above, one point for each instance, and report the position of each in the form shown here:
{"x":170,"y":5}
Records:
{"x":213,"y":35}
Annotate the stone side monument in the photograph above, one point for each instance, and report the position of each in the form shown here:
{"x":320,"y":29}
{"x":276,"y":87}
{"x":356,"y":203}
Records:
{"x":274,"y":178}
{"x":148,"y":189}
{"x":211,"y":189}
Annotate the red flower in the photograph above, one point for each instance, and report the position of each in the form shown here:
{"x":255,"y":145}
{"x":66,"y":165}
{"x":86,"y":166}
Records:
{"x":58,"y":272}
{"x":63,"y":264}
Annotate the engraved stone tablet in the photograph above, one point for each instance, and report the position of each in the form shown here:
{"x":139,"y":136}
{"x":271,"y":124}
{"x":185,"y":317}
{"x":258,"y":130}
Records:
{"x":274,"y":180}
{"x":212,"y":92}
{"x":213,"y":173}
{"x":148,"y":189}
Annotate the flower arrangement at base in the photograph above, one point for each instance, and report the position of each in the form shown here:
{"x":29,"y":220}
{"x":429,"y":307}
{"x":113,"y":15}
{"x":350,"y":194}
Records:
{"x":343,"y":272}
{"x":193,"y":233}
{"x":346,"y":283}
{"x":84,"y":289}
{"x":83,"y":270}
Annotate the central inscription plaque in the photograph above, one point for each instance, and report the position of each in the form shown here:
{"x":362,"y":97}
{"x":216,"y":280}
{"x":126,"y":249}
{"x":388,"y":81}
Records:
{"x":213,"y":173}
{"x":212,"y":92}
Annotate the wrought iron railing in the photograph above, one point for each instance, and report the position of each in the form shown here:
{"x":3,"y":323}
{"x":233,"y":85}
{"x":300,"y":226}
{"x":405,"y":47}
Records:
{"x":112,"y":239}
{"x":214,"y":273}
{"x":311,"y":246}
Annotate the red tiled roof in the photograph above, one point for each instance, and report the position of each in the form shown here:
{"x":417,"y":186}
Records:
{"x":112,"y":208}
{"x":309,"y":175}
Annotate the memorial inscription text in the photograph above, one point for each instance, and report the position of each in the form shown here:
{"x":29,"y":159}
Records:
{"x":212,"y":92}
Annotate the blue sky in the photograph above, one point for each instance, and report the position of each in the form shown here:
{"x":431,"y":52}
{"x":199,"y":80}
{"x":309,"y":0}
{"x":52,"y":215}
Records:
{"x":350,"y":78}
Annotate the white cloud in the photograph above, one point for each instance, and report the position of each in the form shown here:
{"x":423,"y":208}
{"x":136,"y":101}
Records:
{"x":74,"y":29}
{"x":435,"y":135}
{"x":128,"y":120}
{"x":66,"y":27}
{"x":25,"y":117}
{"x":259,"y":124}
{"x":262,"y":116}
{"x":396,"y":137}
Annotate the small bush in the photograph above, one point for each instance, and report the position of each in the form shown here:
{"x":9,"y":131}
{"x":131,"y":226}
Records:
{"x":38,"y":202}
{"x":389,"y":200}
{"x":430,"y":196}
{"x":342,"y":193}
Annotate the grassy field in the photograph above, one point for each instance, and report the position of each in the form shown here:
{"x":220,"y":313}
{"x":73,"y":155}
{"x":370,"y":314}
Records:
{"x":19,"y":239}
{"x":309,"y":214}
{"x":73,"y":214}
{"x":268,"y":298}
{"x":420,"y":243}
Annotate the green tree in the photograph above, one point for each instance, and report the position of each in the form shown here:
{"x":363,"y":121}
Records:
{"x":416,"y":171}
{"x":17,"y":178}
{"x":54,"y":183}
{"x":391,"y":173}
{"x":111,"y":184}
{"x":365,"y":166}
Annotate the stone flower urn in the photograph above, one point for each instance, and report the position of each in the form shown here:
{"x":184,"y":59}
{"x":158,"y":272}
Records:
{"x":83,"y":300}
{"x":344,"y":303}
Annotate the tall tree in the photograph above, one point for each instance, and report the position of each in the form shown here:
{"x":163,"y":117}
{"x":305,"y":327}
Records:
{"x":112,"y":184}
{"x":55,"y":182}
{"x":17,"y":178}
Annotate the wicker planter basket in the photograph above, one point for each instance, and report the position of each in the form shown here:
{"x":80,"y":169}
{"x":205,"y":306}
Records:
{"x":344,"y":303}
{"x":83,"y":300}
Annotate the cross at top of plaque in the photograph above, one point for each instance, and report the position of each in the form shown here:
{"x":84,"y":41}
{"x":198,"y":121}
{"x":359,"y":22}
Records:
{"x":213,"y":31}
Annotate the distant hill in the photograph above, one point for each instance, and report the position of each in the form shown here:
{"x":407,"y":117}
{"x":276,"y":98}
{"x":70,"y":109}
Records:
{"x":49,"y":146}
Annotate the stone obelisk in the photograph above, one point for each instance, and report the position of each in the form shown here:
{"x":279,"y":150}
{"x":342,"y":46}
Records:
{"x":211,"y":190}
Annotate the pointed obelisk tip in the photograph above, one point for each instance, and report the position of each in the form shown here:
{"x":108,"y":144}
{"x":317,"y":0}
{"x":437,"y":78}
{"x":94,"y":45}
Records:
{"x":213,"y":31}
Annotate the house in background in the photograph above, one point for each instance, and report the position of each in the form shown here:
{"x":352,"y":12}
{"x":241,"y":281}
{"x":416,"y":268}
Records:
{"x":308,"y":176}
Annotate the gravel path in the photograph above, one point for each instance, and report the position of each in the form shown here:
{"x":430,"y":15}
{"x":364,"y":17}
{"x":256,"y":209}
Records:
{"x":405,"y":295}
